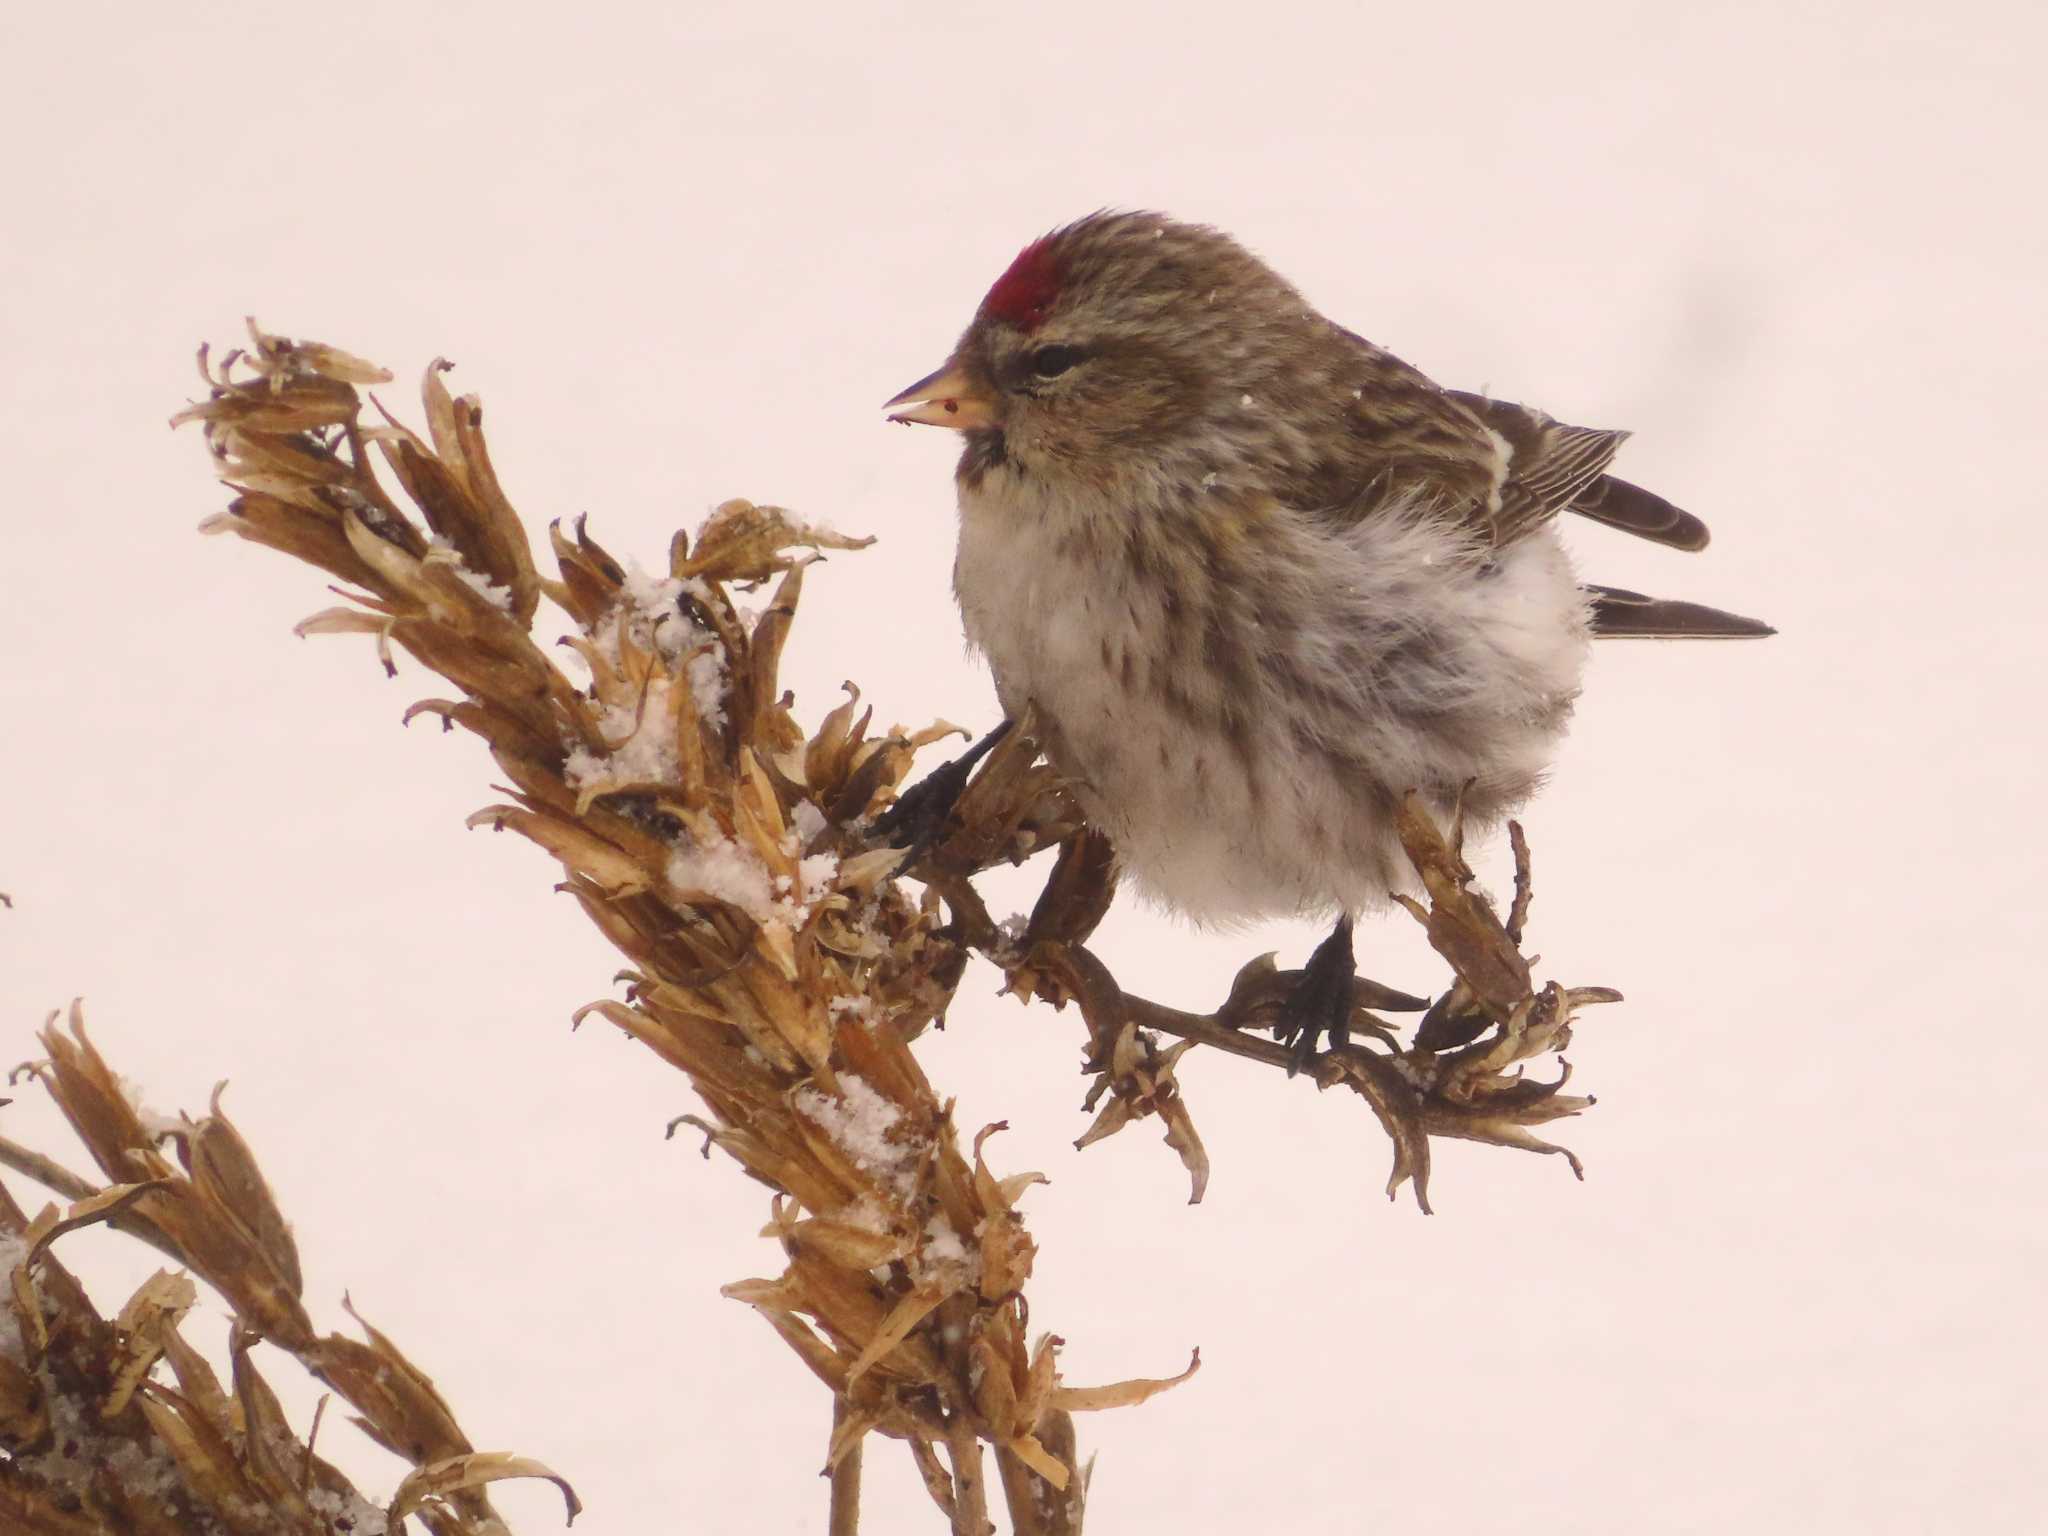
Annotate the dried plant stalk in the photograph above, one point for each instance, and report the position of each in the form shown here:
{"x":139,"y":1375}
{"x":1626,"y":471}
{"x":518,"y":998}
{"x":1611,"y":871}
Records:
{"x":96,"y":1442}
{"x":776,"y":956}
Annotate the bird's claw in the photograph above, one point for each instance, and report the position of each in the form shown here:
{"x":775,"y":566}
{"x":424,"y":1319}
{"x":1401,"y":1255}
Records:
{"x":918,"y":818}
{"x":1321,"y":1001}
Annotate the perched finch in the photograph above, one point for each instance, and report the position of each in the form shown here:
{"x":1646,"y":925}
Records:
{"x":1257,"y":579}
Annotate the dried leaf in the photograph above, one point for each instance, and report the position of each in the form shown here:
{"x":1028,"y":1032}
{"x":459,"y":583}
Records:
{"x":145,"y":1323}
{"x":912,"y":1309}
{"x":46,"y":1229}
{"x":1121,"y":1394}
{"x":224,"y":1171}
{"x":457,"y":1474}
{"x":741,"y":542}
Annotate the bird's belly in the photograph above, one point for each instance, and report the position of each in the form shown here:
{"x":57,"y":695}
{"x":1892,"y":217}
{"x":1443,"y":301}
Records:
{"x":1216,"y":809}
{"x":1247,"y":755}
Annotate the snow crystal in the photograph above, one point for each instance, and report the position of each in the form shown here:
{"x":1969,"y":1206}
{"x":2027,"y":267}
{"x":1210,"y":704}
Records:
{"x":708,"y":684}
{"x":441,"y":552}
{"x":646,"y":750}
{"x":362,"y":1517}
{"x":1416,"y":1077}
{"x":657,"y":600}
{"x":817,"y":874}
{"x":941,"y":1243}
{"x":867,"y":1214}
{"x":729,"y":873}
{"x":649,"y":611}
{"x":79,"y":1448}
{"x":498,"y":597}
{"x":1209,"y":480}
{"x":583,"y":766}
{"x":807,"y":821}
{"x":859,"y":1120}
{"x":652,"y":606}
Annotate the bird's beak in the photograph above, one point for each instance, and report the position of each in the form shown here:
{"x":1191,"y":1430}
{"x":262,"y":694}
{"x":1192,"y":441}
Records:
{"x":944,"y":399}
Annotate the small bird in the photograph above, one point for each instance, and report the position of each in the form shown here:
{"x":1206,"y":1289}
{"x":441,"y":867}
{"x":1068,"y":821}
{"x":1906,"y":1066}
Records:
{"x":1257,"y":578}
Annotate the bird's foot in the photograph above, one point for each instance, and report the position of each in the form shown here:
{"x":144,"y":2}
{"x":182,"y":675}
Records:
{"x":918,"y":818}
{"x":1321,"y":1001}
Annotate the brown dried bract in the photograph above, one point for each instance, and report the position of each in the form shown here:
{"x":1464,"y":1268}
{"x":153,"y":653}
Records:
{"x":774,"y":958}
{"x":100,"y":1440}
{"x":774,"y":955}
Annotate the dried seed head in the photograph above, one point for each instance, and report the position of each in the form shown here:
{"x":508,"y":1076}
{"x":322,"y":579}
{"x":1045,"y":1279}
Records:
{"x":774,"y":957}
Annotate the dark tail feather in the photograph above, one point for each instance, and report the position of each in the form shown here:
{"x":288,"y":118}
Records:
{"x":1635,"y":510}
{"x":1624,"y":615}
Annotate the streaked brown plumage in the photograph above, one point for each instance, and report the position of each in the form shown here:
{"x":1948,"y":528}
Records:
{"x":1258,"y":578}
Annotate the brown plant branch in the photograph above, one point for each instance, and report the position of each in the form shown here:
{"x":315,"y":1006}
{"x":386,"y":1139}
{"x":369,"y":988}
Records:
{"x":1460,"y":1077}
{"x":97,"y":1441}
{"x":843,"y":1468}
{"x":773,"y":959}
{"x":774,"y":956}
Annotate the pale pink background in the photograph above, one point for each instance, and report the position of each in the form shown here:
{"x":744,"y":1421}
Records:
{"x":684,"y":251}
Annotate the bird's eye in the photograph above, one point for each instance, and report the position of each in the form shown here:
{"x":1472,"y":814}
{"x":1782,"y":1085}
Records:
{"x":1051,"y":362}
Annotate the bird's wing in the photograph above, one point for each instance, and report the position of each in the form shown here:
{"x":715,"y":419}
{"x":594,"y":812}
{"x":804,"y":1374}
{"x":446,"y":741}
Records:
{"x":1642,"y":513}
{"x":1407,"y":442}
{"x":1500,"y":468}
{"x":1553,"y":468}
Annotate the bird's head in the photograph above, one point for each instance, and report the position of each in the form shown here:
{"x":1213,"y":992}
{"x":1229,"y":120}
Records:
{"x":1123,"y":345}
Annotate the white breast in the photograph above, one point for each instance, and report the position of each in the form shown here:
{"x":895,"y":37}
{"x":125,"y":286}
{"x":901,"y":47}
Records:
{"x":1299,"y":822}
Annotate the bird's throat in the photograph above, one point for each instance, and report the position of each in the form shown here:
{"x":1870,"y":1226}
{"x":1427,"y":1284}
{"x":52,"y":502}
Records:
{"x":986,"y":449}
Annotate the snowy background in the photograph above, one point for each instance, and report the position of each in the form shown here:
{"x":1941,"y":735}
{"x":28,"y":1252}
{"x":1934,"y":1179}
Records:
{"x":684,"y":251}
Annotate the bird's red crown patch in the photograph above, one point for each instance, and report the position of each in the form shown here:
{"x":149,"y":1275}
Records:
{"x":1023,"y":296}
